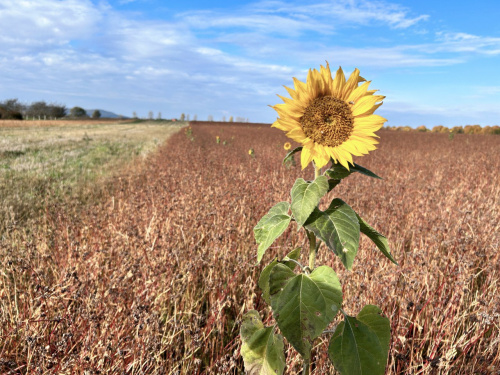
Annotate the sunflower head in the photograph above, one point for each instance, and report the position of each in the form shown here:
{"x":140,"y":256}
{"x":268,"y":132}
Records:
{"x":331,"y":117}
{"x":287,"y":146}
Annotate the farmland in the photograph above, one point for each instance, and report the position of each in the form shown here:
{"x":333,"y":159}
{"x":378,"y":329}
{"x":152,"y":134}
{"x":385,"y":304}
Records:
{"x":153,"y":274}
{"x":43,"y":163}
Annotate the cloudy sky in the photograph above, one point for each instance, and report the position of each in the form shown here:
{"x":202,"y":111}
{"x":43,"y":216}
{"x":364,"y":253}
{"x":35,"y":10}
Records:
{"x":437,"y":62}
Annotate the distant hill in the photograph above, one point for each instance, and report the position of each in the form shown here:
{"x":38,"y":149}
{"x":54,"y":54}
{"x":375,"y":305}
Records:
{"x":104,"y":114}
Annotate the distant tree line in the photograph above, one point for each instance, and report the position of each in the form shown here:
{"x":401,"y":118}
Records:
{"x":467,"y":129}
{"x":13,"y":109}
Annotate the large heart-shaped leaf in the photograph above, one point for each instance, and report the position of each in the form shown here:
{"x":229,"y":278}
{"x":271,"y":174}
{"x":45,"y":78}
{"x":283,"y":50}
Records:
{"x":261,"y":349}
{"x":338,"y":171}
{"x":360,"y":345}
{"x":264,"y":275}
{"x":304,"y":305}
{"x":306,"y":196}
{"x":338,"y":228}
{"x":271,"y":226}
{"x":377,"y":238}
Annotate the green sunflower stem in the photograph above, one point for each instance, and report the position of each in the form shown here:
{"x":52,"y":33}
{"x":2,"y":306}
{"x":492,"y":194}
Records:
{"x":316,"y":171}
{"x":306,"y":368}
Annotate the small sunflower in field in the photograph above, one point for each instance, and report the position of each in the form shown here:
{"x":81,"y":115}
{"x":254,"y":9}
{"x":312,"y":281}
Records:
{"x":331,"y":117}
{"x":250,"y":152}
{"x":217,"y":139}
{"x":287,"y":146}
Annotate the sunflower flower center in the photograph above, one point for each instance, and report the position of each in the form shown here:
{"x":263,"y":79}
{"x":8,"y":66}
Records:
{"x":328,"y":121}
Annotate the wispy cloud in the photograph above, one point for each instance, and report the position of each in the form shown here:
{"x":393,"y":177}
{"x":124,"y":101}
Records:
{"x":349,"y":11}
{"x":47,"y":22}
{"x":294,"y":18}
{"x":468,"y":43}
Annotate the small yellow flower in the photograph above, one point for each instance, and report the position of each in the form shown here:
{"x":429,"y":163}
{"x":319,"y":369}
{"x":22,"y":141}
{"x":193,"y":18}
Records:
{"x":287,"y":146}
{"x":331,"y":117}
{"x":250,"y":152}
{"x":217,"y":139}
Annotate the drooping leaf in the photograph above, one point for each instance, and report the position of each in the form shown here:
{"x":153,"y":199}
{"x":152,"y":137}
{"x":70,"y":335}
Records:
{"x":264,"y":275}
{"x":366,"y":172}
{"x":377,"y":238}
{"x":306,"y":196}
{"x":360,"y":345}
{"x":304,"y":305}
{"x":288,"y":156}
{"x":261,"y":349}
{"x":338,"y":228}
{"x":271,"y":226}
{"x":332,"y":183}
{"x":338,"y":171}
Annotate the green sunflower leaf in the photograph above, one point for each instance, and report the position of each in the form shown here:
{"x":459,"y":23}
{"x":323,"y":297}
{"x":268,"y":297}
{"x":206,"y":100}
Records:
{"x":332,"y":183}
{"x":306,"y":196}
{"x":290,"y":154}
{"x":377,"y":238}
{"x":338,"y":228}
{"x":271,"y":226}
{"x":338,"y":171}
{"x":261,"y":349}
{"x":264,"y":275}
{"x":360,"y":346}
{"x":304,"y":305}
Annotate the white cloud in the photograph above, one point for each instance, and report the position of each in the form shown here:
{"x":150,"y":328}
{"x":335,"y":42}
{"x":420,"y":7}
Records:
{"x":292,"y":19}
{"x":46,"y":22}
{"x":463,"y":42}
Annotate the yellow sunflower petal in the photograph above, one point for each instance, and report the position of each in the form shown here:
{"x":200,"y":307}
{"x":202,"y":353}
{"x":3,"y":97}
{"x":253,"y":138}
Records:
{"x":358,"y":92}
{"x":278,"y":124}
{"x":332,"y":153}
{"x":283,"y":112}
{"x":373,"y":109}
{"x":368,"y":144}
{"x":294,"y":95}
{"x":300,"y":87}
{"x":365,"y":104}
{"x":293,"y":105}
{"x":351,"y":148}
{"x":350,"y":85}
{"x":338,"y":83}
{"x":306,"y":157}
{"x":283,"y":125}
{"x":344,"y":163}
{"x":367,"y":120}
{"x":321,"y":158}
{"x":297,"y":135}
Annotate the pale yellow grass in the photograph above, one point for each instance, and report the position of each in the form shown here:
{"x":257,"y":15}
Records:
{"x":42,"y":164}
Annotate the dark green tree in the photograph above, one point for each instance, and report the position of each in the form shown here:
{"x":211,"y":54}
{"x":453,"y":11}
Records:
{"x":77,"y":112}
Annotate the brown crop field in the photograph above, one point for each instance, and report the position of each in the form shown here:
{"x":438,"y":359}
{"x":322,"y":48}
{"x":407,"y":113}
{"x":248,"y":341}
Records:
{"x":154,"y":276}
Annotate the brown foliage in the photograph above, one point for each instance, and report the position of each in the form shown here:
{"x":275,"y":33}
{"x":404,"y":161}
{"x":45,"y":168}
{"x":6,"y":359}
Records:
{"x":155,"y":278}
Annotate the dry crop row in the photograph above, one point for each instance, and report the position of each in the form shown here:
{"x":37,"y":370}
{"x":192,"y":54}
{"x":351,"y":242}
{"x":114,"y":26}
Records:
{"x":155,"y":278}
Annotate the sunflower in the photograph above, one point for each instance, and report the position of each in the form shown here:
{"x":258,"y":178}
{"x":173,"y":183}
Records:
{"x":331,"y":118}
{"x":287,"y":146}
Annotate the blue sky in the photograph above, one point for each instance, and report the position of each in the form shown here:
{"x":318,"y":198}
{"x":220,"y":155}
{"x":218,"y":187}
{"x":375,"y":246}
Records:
{"x":436,"y":61}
